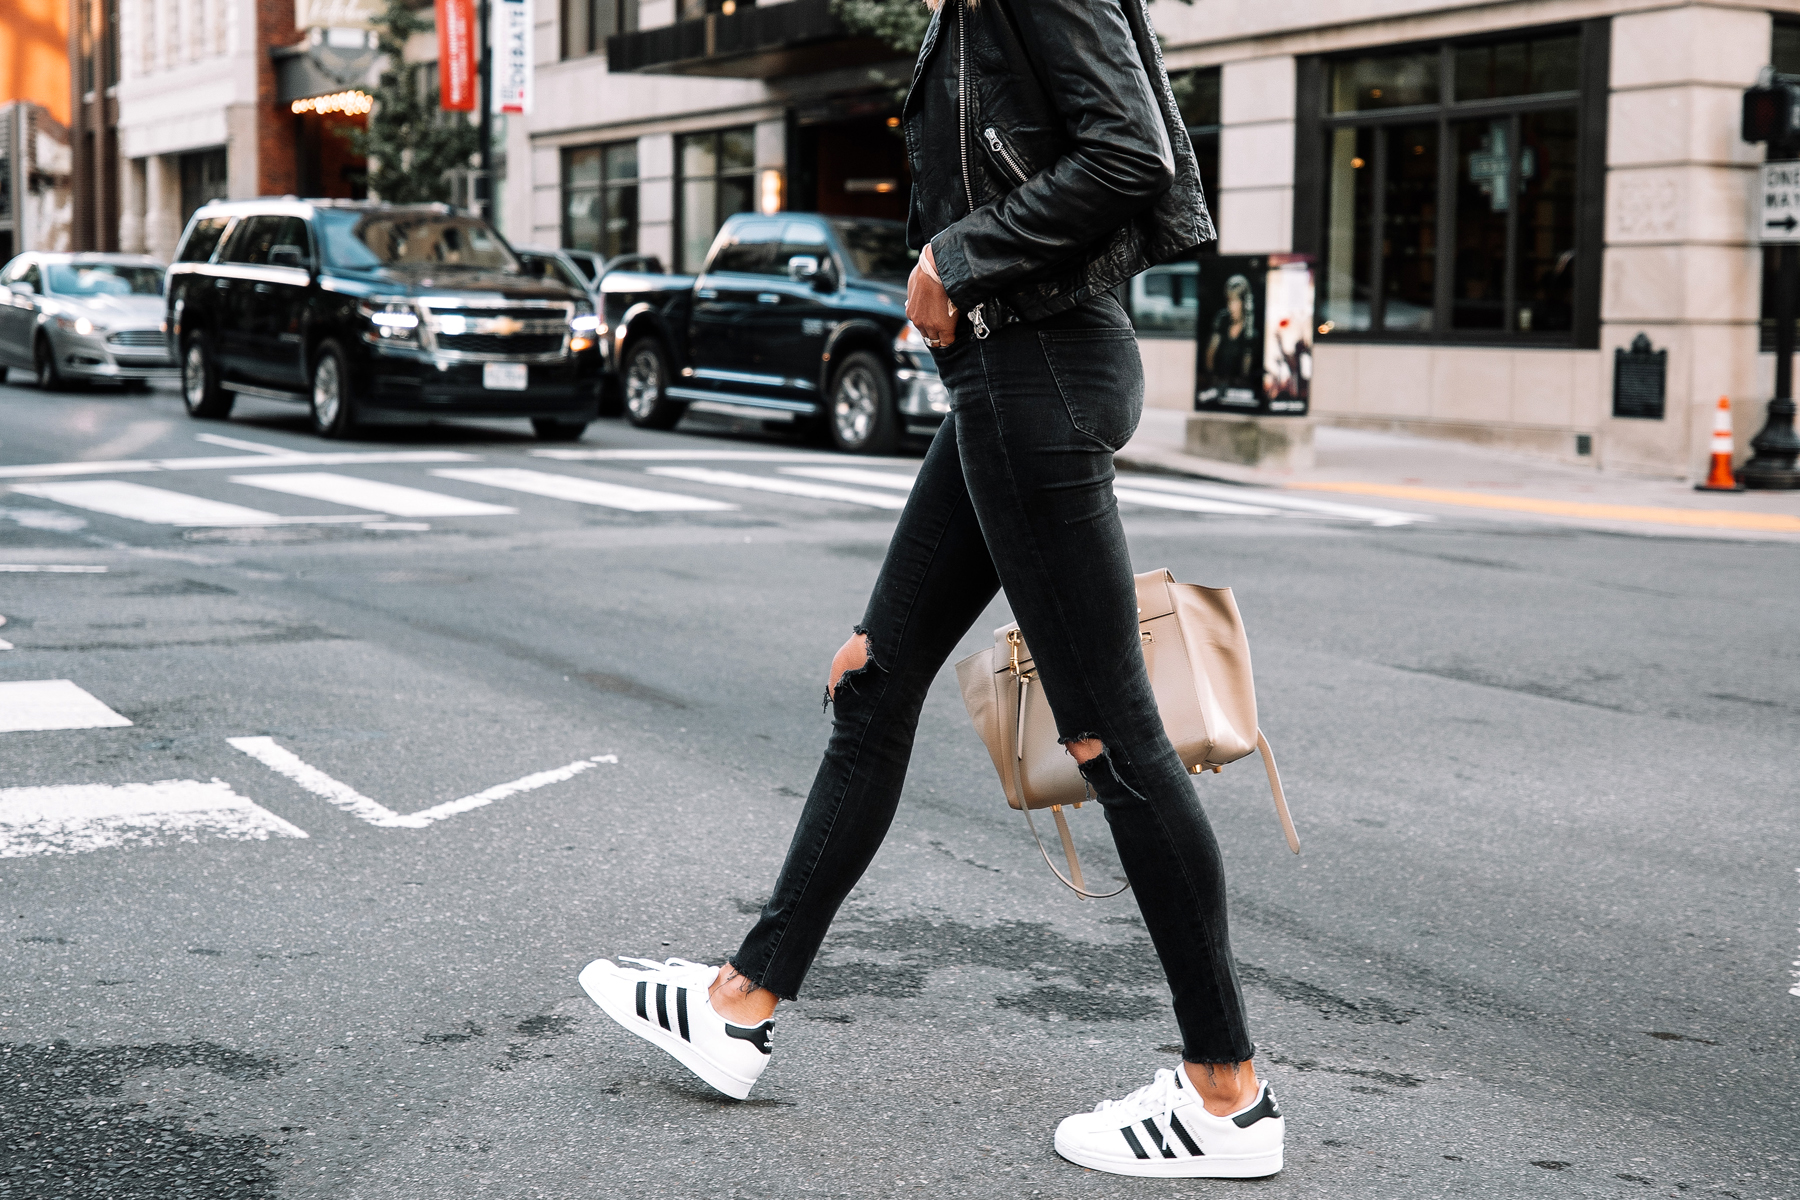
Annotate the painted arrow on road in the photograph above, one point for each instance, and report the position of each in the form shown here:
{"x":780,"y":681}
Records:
{"x":286,"y":762}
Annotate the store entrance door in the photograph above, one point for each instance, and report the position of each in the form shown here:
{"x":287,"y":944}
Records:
{"x":855,"y":167}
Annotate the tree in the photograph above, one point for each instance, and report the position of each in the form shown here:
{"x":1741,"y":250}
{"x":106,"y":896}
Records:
{"x":899,"y":23}
{"x":414,"y":143}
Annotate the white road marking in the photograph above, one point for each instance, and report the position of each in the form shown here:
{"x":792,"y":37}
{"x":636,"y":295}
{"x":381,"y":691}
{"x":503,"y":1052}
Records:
{"x":6,"y":645}
{"x":74,"y":818}
{"x":44,"y":518}
{"x":371,"y":494}
{"x":1269,"y":498}
{"x":285,"y":762}
{"x":235,"y":462}
{"x":406,"y":526}
{"x":1795,"y":990}
{"x":31,"y":705}
{"x":159,"y":506}
{"x":1189,"y":503}
{"x":699,"y":456}
{"x":51,"y":568}
{"x":231,"y":443}
{"x":583,"y":491}
{"x":786,"y":487}
{"x":862,"y":475}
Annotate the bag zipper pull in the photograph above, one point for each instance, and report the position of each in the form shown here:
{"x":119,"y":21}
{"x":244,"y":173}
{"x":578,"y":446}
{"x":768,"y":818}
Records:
{"x":978,"y":321}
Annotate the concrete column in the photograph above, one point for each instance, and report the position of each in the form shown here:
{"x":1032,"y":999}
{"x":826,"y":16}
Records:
{"x":1679,"y":265}
{"x":656,"y":197}
{"x":131,"y":206}
{"x":241,"y":177}
{"x":162,"y":205}
{"x":1256,"y":156}
{"x":771,"y":155}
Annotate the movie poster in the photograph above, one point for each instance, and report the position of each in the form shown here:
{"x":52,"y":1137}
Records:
{"x":1254,"y":334}
{"x":1287,"y":334}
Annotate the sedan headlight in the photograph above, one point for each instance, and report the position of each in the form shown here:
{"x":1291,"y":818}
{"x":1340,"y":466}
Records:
{"x":394,"y":320}
{"x":79,"y":326}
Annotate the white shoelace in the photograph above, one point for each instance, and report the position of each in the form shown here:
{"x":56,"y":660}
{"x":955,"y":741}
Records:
{"x":1156,"y":1096}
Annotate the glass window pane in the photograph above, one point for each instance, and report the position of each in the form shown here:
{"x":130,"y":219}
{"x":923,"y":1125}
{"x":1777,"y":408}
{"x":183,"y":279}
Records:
{"x":751,"y":250}
{"x":581,"y":166}
{"x":698,"y":154}
{"x":621,"y":220}
{"x":1518,"y":68}
{"x":1197,"y":94}
{"x":1409,"y":233}
{"x":1166,"y":299}
{"x":1385,"y":81}
{"x":699,"y":221}
{"x":737,"y":149}
{"x":1350,"y":216}
{"x":1483,"y":199}
{"x":621,"y":161}
{"x":577,"y":33}
{"x":1545,"y":274}
{"x":1785,"y":51}
{"x":581,"y":219}
{"x":734,"y":197}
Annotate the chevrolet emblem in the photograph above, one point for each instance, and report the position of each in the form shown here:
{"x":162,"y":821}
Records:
{"x":506,"y":326}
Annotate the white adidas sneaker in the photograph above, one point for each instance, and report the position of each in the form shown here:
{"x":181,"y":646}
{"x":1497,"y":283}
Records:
{"x":666,"y":1004}
{"x":1162,"y":1129}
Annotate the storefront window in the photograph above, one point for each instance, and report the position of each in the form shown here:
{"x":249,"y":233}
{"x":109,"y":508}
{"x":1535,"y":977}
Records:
{"x":600,"y":199}
{"x":586,"y":24}
{"x":1165,"y":300}
{"x":1457,"y":218}
{"x":717,"y":175}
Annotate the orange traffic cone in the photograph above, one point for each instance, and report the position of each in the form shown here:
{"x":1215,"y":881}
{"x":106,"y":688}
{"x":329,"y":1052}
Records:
{"x":1720,"y":479}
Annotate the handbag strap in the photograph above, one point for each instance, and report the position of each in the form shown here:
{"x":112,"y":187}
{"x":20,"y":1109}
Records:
{"x":1281,"y":808}
{"x":1078,"y":885}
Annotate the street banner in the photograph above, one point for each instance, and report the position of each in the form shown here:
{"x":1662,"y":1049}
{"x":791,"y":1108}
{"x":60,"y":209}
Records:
{"x":511,"y":34}
{"x":456,"y":55}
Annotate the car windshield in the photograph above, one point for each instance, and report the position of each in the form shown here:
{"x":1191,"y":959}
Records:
{"x":877,"y":249}
{"x":549,"y":266}
{"x":367,"y":241}
{"x":103,"y":279}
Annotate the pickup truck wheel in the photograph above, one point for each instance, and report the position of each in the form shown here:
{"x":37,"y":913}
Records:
{"x":200,"y":390}
{"x":333,"y":401}
{"x":646,"y":383}
{"x":549,"y":429}
{"x":861,"y":417}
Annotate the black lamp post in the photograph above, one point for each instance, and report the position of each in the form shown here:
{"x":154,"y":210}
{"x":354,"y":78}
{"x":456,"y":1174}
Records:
{"x":1772,"y":115}
{"x":484,"y":175}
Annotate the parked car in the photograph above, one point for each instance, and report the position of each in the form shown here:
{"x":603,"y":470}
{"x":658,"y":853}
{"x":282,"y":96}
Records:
{"x":70,"y":317}
{"x":365,"y":311}
{"x":794,"y":316}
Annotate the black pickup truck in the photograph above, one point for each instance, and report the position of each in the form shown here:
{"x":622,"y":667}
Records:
{"x":794,"y":317}
{"x":365,"y":311}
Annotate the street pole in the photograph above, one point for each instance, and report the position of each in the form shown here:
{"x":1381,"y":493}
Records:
{"x":1776,"y":446}
{"x":484,"y":204}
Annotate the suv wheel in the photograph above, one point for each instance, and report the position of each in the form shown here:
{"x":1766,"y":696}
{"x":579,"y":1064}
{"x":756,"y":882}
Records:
{"x":200,"y":390}
{"x":43,"y":359}
{"x":548,"y":429}
{"x":646,"y":383}
{"x":861,"y":416}
{"x":333,"y":404}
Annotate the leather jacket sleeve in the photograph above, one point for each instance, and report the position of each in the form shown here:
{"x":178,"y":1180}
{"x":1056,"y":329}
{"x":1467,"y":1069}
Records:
{"x":1119,"y":160}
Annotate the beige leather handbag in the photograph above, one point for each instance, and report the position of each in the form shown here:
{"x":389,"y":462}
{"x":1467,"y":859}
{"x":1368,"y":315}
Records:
{"x":1198,"y":658}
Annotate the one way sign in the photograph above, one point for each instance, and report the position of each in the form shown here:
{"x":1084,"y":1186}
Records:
{"x":1777,"y":216}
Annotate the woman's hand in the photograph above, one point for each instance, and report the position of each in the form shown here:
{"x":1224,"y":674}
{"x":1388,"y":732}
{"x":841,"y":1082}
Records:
{"x":928,"y":305}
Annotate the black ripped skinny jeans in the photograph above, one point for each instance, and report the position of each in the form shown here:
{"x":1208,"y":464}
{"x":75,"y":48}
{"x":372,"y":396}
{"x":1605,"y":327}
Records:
{"x":1016,"y":492}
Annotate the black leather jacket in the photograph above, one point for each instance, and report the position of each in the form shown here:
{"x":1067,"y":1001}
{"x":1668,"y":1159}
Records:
{"x":1079,"y":173}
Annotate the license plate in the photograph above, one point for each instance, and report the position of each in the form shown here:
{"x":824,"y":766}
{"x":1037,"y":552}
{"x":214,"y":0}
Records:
{"x":506,"y":377}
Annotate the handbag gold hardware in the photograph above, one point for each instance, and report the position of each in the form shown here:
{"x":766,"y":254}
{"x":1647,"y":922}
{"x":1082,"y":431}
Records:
{"x":1198,"y":659}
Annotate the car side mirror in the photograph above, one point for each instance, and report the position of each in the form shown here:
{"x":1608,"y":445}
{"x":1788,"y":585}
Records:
{"x":23,"y":287}
{"x":285,"y":256}
{"x":802,"y":266}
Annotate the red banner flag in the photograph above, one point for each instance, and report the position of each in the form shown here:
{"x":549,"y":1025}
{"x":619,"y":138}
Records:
{"x":456,"y":55}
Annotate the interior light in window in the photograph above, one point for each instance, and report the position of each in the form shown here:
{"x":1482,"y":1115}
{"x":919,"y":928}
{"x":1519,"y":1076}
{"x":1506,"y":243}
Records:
{"x":1356,"y":164}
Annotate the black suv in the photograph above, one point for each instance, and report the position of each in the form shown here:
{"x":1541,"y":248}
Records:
{"x":368,"y":311}
{"x":794,"y":317}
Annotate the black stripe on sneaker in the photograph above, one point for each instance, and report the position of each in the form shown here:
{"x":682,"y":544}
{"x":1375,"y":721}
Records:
{"x":642,"y":1015}
{"x":1264,"y":1108}
{"x":1137,"y":1147}
{"x":681,"y":1012}
{"x":662,"y":1005}
{"x":1181,"y":1132}
{"x":1156,"y":1136}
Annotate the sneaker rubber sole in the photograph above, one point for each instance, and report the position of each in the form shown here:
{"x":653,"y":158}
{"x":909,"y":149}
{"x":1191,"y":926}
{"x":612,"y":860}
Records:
{"x":592,"y":978}
{"x":1211,"y":1166}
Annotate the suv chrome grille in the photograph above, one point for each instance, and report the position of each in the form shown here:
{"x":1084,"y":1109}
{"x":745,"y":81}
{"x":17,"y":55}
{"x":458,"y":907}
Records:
{"x":493,"y":343}
{"x":536,"y":330}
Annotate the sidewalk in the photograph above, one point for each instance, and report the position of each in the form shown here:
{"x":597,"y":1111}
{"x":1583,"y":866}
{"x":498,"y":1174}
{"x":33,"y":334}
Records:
{"x":1452,"y":478}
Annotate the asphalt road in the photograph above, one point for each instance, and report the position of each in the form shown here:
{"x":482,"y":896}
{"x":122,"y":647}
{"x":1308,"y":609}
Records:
{"x":1542,"y":940}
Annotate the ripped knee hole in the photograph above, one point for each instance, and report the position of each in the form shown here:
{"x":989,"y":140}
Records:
{"x":851,"y":657}
{"x":1085,"y":750}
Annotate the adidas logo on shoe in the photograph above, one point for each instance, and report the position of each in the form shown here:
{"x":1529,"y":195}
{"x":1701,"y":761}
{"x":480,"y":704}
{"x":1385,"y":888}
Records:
{"x":666,"y":1004}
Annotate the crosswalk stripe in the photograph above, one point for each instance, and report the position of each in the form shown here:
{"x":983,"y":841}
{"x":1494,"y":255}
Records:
{"x":234,"y":462}
{"x":786,"y":487}
{"x":583,"y":491}
{"x":31,"y":705}
{"x":155,"y":506}
{"x":1132,"y":495}
{"x":372,"y":494}
{"x":863,"y":475}
{"x":1274,"y":499}
{"x":72,"y":818}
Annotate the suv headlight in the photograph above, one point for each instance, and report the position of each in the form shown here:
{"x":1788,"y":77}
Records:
{"x":394,"y":320}
{"x":584,"y":330}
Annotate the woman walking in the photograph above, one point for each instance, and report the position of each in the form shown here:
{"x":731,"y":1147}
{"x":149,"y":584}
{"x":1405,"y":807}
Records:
{"x":1050,"y":164}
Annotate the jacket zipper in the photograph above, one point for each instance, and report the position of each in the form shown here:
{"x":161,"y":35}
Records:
{"x":962,"y":135}
{"x":999,"y":147}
